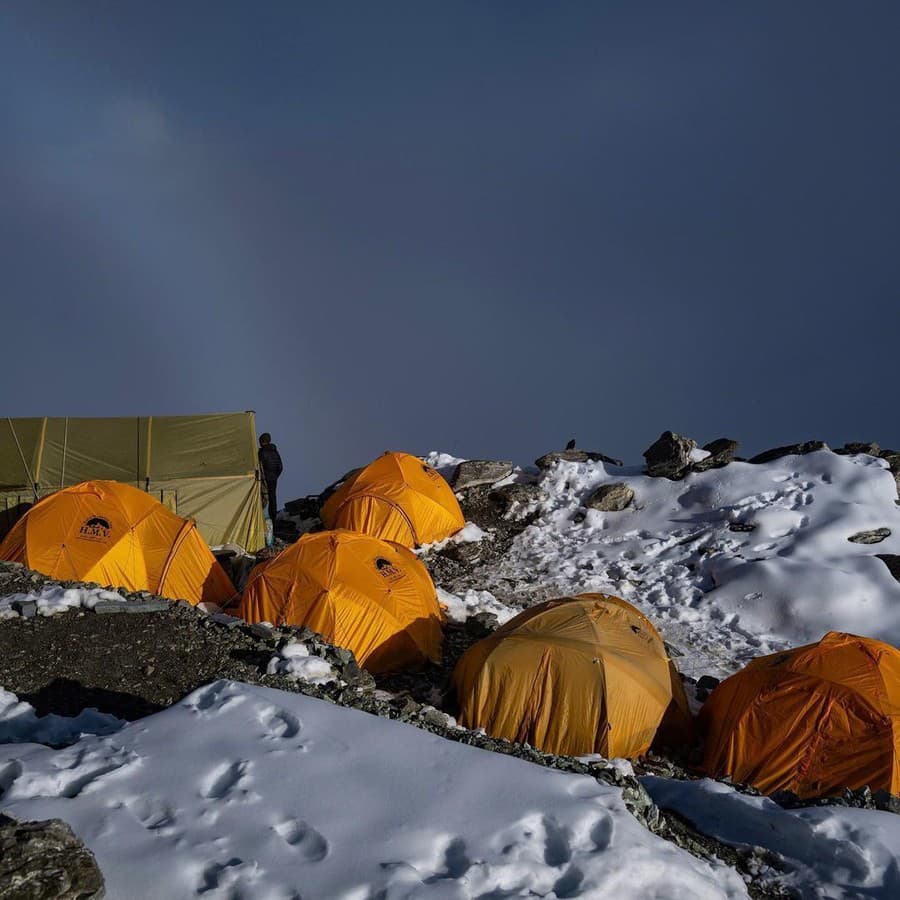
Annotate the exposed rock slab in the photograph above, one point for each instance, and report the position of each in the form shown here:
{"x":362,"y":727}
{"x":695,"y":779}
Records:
{"x":548,"y":460}
{"x":475,"y":472}
{"x":46,"y":861}
{"x":611,"y":497}
{"x":788,"y":450}
{"x":876,"y":536}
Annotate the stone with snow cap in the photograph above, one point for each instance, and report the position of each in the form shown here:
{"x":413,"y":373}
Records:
{"x":788,"y":450}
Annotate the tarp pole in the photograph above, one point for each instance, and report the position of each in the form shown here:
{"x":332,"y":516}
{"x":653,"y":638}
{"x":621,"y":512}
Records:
{"x":147,"y":468}
{"x":40,"y":453}
{"x":22,"y":457}
{"x":62,"y":470}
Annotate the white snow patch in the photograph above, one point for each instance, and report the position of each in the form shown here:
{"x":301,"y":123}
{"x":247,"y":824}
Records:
{"x":52,"y":599}
{"x":473,"y":602}
{"x":832,"y":851}
{"x":722,"y":596}
{"x":243,"y":791}
{"x":295,"y":661}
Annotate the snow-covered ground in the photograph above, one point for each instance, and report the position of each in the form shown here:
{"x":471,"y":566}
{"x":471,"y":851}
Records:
{"x":831,"y":852}
{"x":247,"y":792}
{"x":720,"y":595}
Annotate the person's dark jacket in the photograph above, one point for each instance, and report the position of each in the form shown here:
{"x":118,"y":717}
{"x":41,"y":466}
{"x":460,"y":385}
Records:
{"x":270,"y":462}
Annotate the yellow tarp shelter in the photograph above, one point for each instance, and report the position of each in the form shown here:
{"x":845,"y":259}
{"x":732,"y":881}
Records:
{"x":200,"y":467}
{"x":372,"y":597}
{"x":114,"y":534}
{"x":579,"y":675}
{"x":814,"y":720}
{"x":396,"y":498}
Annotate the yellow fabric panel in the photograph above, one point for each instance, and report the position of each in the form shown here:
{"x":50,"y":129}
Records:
{"x":579,"y":675}
{"x":814,"y":720}
{"x":396,"y":487}
{"x":370,"y":596}
{"x":110,"y":533}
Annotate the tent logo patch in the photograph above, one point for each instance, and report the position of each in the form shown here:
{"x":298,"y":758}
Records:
{"x":96,"y":528}
{"x":387,"y":570}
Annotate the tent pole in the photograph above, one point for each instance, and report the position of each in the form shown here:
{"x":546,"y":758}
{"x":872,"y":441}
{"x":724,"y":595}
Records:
{"x":62,"y":472}
{"x":22,"y":457}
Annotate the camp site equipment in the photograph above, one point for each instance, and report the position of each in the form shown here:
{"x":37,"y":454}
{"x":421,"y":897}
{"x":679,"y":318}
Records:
{"x":396,"y":498}
{"x":114,"y":534}
{"x":370,"y":596}
{"x":813,"y":721}
{"x":201,"y":467}
{"x":585,"y":674}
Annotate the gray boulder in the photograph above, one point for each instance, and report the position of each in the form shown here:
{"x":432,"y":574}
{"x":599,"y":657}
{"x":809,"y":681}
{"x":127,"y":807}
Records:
{"x":611,"y":497}
{"x":669,"y":456}
{"x":876,"y":536}
{"x":46,"y":861}
{"x":788,"y":450}
{"x":474,"y":472}
{"x":721,"y":452}
{"x":548,"y":460}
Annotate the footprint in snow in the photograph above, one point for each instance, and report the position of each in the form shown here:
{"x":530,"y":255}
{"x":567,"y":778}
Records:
{"x":312,"y":846}
{"x":227,"y":781}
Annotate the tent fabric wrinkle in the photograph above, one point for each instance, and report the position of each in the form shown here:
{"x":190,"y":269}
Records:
{"x":370,"y":596}
{"x":584,"y":674}
{"x":814,"y":720}
{"x":397,"y":497}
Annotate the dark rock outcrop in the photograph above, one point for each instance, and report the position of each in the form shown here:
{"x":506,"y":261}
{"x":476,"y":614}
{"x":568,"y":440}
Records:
{"x":669,"y":456}
{"x":548,"y":460}
{"x":788,"y":450}
{"x":46,"y":861}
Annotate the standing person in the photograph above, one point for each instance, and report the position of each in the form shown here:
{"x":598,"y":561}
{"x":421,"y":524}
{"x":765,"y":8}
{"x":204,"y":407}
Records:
{"x":271,"y":467}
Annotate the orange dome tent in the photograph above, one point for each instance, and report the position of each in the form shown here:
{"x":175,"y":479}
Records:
{"x":396,"y":498}
{"x":111,"y":533}
{"x":370,"y":596}
{"x":585,"y":674}
{"x":814,"y":720}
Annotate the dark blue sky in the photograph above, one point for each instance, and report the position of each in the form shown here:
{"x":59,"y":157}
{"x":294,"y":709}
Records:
{"x":484,"y":227}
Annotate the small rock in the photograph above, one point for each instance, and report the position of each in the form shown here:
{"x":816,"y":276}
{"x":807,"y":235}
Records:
{"x":261,"y":630}
{"x":741,"y":526}
{"x":226,"y":620}
{"x":462,"y":551}
{"x":27,"y":609}
{"x":46,"y":861}
{"x":474,"y":472}
{"x":107,"y":607}
{"x":611,"y":497}
{"x":707,"y":682}
{"x":669,"y":456}
{"x":548,"y":460}
{"x":876,"y":536}
{"x":788,"y":450}
{"x":145,"y":606}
